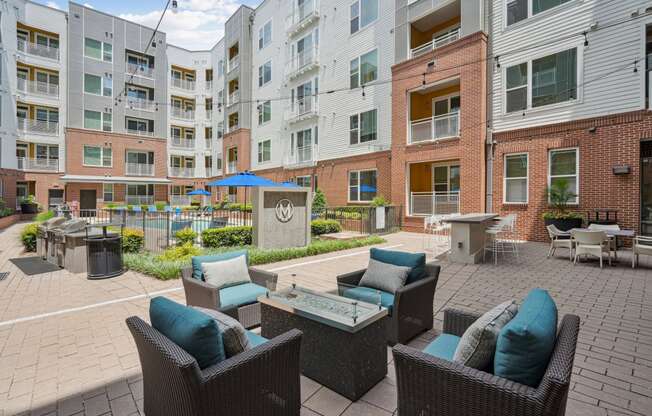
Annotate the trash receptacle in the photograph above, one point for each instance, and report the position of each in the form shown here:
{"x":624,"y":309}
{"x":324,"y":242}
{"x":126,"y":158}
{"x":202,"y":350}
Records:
{"x":104,"y":251}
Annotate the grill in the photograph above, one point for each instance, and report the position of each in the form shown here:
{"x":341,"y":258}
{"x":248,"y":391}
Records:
{"x":57,"y":236}
{"x":42,"y":240}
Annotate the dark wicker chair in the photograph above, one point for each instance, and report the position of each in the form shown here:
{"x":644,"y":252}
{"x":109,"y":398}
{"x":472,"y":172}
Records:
{"x":200,"y":293}
{"x":262,"y":381}
{"x":413,"y":304}
{"x":428,"y":385}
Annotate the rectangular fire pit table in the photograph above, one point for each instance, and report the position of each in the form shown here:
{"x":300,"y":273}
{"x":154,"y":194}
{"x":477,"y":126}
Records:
{"x":344,"y":343}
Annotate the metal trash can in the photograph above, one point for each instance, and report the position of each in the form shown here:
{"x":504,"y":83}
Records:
{"x":104,"y":251}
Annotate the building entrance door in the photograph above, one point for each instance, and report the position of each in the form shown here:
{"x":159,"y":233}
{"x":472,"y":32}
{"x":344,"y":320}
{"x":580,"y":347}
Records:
{"x":87,"y":199}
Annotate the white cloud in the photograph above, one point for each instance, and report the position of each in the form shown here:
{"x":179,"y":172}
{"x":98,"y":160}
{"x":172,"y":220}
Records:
{"x":90,"y":6}
{"x":52,"y":4}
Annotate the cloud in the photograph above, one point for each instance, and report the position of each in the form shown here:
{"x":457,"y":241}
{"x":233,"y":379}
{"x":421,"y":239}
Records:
{"x":54,"y":5}
{"x":90,"y":6}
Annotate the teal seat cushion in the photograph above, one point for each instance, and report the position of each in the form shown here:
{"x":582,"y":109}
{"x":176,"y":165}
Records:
{"x":369,"y":295}
{"x":415,"y":261}
{"x":525,"y":344}
{"x":197,"y":272}
{"x":255,"y":339}
{"x":443,"y":346}
{"x":239,"y":295}
{"x":194,"y":331}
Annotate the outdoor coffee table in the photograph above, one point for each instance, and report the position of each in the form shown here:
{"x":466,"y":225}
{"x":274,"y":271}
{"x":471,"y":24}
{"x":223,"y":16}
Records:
{"x":344,"y":343}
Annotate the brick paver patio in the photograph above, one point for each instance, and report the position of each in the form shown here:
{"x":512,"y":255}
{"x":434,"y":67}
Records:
{"x":64,"y":347}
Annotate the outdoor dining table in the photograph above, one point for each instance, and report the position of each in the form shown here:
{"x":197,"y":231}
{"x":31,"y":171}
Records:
{"x":468,"y":236}
{"x":611,"y":233}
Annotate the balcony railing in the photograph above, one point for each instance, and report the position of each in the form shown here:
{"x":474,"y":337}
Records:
{"x":234,"y":97}
{"x":143,"y":133}
{"x":183,"y":84}
{"x":208,"y":143}
{"x":140,"y":70}
{"x":301,"y":156}
{"x":302,"y":15}
{"x":140,"y":104}
{"x":44,"y":89}
{"x":209,"y":85}
{"x":435,"y":128}
{"x":434,"y":203}
{"x":233,"y":127}
{"x":301,"y":62}
{"x":182,"y":114}
{"x":182,"y":142}
{"x":209,"y":114}
{"x":234,"y":63}
{"x":25,"y":163}
{"x":302,"y":108}
{"x":139,"y":169}
{"x":27,"y":125}
{"x":437,"y":42}
{"x":139,"y":199}
{"x":232,"y":167}
{"x":38,"y":50}
{"x":180,"y":200}
{"x":182,"y":172}
{"x":209,"y":171}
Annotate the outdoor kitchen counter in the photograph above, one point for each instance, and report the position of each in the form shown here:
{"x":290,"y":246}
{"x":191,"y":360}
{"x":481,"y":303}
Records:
{"x":468,"y":236}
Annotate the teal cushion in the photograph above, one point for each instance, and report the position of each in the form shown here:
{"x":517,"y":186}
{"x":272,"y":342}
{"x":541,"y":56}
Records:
{"x":255,"y":339}
{"x":525,"y":344}
{"x":369,"y":295}
{"x":195,"y":332}
{"x":443,"y":346}
{"x":197,"y":272}
{"x":416,"y":261}
{"x":239,"y":295}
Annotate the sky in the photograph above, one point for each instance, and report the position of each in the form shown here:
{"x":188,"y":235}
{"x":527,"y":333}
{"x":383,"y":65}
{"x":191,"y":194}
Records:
{"x":197,"y":25}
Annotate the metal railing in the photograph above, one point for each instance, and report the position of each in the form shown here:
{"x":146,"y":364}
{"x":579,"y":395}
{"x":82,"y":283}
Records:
{"x":182,"y":142}
{"x":363,"y":220}
{"x":234,"y":97}
{"x":209,"y":171}
{"x":180,"y":200}
{"x":139,"y":169}
{"x":209,"y":114}
{"x":25,"y":163}
{"x":45,"y":89}
{"x":182,"y":114}
{"x":140,"y":104}
{"x":232,"y":167}
{"x":434,"y":203}
{"x":301,"y":156}
{"x":234,"y":63}
{"x":144,"y":133}
{"x":140,"y":70}
{"x":233,"y":127}
{"x":209,"y":85}
{"x":38,"y":50}
{"x":437,"y":42}
{"x":302,"y":108}
{"x":303,"y":60}
{"x":139,"y":199}
{"x":208,"y":143}
{"x":435,"y":128}
{"x":301,"y":15}
{"x":28,"y":125}
{"x":183,"y":84}
{"x":182,"y":172}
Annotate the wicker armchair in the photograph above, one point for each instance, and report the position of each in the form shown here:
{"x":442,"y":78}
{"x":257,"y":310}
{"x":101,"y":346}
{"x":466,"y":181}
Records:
{"x":200,"y":293}
{"x":428,"y":385}
{"x":261,"y":381}
{"x":412,"y":312}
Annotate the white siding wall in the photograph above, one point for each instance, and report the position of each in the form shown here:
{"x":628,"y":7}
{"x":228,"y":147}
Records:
{"x":604,"y":86}
{"x":217,"y":55}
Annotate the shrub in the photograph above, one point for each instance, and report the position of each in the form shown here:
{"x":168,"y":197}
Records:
{"x":44,"y":216}
{"x":28,"y":236}
{"x":180,"y":253}
{"x":5,"y":211}
{"x":318,"y":201}
{"x":185,"y":236}
{"x":227,"y":237}
{"x":133,"y":240}
{"x":320,"y":227}
{"x":379,"y":201}
{"x":160,"y":205}
{"x":237,"y":206}
{"x":110,"y":205}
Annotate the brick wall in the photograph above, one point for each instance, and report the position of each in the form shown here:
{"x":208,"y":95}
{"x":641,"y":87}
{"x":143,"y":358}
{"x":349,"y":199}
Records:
{"x":8,"y":177}
{"x":241,"y":139}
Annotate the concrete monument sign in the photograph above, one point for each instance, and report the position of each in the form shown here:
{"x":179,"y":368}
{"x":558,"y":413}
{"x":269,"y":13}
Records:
{"x":281,"y":217}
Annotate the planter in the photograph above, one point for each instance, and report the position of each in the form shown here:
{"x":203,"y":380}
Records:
{"x":27,"y":208}
{"x":565,"y":224}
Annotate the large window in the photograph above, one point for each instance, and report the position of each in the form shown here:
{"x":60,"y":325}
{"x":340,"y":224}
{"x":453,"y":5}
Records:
{"x":363,"y":13}
{"x":94,"y":84}
{"x":264,"y":73}
{"x":303,"y":181}
{"x":363,"y":127}
{"x":362,"y":185}
{"x":553,"y":80}
{"x":98,"y":50}
{"x":264,"y":112}
{"x":98,"y":156}
{"x":563,"y":168}
{"x":364,"y":69}
{"x":265,"y":35}
{"x":264,"y":151}
{"x":135,"y":125}
{"x":96,"y":120}
{"x":516,"y":178}
{"x":518,"y":10}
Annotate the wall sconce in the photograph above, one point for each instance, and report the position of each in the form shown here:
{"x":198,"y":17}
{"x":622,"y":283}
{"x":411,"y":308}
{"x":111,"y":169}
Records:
{"x":622,"y":170}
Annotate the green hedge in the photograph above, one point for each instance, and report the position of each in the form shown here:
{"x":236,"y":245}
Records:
{"x":319,"y":227}
{"x":226,"y":237}
{"x":28,"y":236}
{"x":133,"y":240}
{"x":187,"y":235}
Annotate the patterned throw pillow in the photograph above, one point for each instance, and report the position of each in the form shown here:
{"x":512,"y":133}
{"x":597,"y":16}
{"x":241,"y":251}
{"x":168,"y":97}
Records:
{"x":234,"y":336}
{"x":384,"y":276}
{"x":478,"y":343}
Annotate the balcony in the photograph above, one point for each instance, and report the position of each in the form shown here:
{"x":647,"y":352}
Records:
{"x":234,"y":97}
{"x":182,"y":172}
{"x":49,"y":165}
{"x":209,"y":171}
{"x":48,"y":128}
{"x":143,"y":133}
{"x":233,"y":127}
{"x":140,"y":104}
{"x":182,"y":114}
{"x":302,"y":62}
{"x":434,"y":203}
{"x":209,"y":86}
{"x":183,"y":84}
{"x":234,"y":63}
{"x":302,"y":16}
{"x":302,"y":109}
{"x":182,"y":143}
{"x":43,"y":89}
{"x":301,"y":157}
{"x":435,"y":128}
{"x":437,"y":42}
{"x":139,"y":169}
{"x":35,"y":49}
{"x":139,"y":199}
{"x":232,"y":167}
{"x":180,"y":200}
{"x":209,"y":114}
{"x":140,"y":70}
{"x":208,"y":143}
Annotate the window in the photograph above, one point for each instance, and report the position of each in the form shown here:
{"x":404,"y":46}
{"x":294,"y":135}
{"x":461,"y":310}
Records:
{"x":107,"y":52}
{"x":264,"y":112}
{"x":94,"y":84}
{"x":364,"y":69}
{"x":264,"y":73}
{"x":363,"y":127}
{"x":264,"y":151}
{"x":107,"y":191}
{"x":220,"y":68}
{"x":265,"y":35}
{"x":140,"y":190}
{"x":363,"y":13}
{"x":563,"y":167}
{"x":515,"y":188}
{"x":135,"y":125}
{"x":553,"y":80}
{"x":95,"y":49}
{"x":303,"y":181}
{"x":362,"y":186}
{"x":96,"y":120}
{"x":518,"y":10}
{"x":98,"y":156}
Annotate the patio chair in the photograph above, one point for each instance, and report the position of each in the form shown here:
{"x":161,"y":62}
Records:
{"x":152,"y":208}
{"x":264,"y":380}
{"x":167,"y":208}
{"x":136,"y":208}
{"x":613,"y":241}
{"x":559,"y":239}
{"x":641,"y":245}
{"x":178,"y":225}
{"x":219,"y":222}
{"x":428,"y":385}
{"x":499,"y":238}
{"x":594,"y":243}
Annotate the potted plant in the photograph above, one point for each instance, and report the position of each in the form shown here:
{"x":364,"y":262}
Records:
{"x":28,"y":205}
{"x":559,"y":194}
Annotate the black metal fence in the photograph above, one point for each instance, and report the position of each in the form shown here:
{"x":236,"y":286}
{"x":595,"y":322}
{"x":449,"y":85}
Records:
{"x":364,"y":220}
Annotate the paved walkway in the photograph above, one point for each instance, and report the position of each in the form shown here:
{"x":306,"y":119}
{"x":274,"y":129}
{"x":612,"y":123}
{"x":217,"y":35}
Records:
{"x":64,"y":347}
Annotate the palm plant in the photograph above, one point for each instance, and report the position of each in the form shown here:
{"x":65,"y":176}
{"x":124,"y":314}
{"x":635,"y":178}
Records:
{"x":559,"y":195}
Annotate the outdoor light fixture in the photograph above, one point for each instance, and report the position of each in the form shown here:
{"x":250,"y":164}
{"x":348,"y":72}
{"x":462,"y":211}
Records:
{"x":622,"y":170}
{"x":497,"y":59}
{"x":175,"y":6}
{"x":586,"y":39}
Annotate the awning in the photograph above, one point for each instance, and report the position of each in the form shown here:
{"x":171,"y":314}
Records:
{"x":113,"y":179}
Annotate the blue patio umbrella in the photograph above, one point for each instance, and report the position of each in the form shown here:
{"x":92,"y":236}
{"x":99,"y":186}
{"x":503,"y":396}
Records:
{"x":367,"y":188}
{"x":244,"y":180}
{"x":201,"y":192}
{"x":289,"y":185}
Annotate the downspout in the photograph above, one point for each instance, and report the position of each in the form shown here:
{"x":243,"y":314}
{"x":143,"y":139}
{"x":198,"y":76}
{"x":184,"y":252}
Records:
{"x":489,"y":142}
